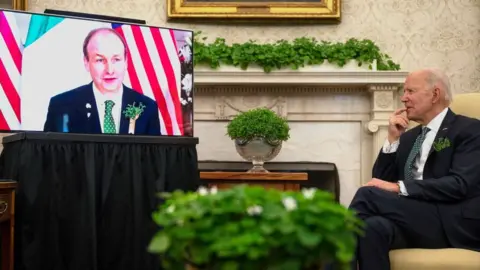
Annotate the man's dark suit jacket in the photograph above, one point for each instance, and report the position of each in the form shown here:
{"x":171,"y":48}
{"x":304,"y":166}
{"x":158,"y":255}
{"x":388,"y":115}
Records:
{"x":81,"y":119}
{"x":451,"y":177}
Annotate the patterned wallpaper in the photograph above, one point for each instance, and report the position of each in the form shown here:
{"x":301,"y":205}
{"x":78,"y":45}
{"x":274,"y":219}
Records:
{"x":416,"y":33}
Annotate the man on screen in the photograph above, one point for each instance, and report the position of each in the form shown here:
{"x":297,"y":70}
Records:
{"x":99,"y":107}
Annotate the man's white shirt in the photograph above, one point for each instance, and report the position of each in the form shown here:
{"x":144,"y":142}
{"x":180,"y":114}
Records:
{"x":116,"y":110}
{"x":421,"y":159}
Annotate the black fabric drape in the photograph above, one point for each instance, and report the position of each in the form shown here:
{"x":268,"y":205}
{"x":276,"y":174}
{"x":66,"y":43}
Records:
{"x":84,"y":202}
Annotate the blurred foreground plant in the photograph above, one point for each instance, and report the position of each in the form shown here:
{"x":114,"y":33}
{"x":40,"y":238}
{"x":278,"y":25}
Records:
{"x":248,"y":227}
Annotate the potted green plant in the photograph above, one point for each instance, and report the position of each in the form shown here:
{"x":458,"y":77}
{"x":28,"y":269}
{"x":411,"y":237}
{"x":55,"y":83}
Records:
{"x":258,"y":135}
{"x":250,"y":227}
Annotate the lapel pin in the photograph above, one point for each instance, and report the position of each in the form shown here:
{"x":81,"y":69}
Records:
{"x":88,"y":106}
{"x":88,"y":115}
{"x":444,"y":128}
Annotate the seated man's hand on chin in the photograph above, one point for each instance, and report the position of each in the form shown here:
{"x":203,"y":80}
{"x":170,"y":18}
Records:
{"x":388,"y":186}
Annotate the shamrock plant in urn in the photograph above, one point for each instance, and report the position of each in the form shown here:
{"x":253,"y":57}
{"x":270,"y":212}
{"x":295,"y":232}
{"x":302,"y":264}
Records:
{"x":258,"y":135}
{"x":250,"y":227}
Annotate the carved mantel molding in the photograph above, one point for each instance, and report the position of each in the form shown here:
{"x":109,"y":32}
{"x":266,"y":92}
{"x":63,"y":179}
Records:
{"x":382,"y":86}
{"x":233,"y":76}
{"x":383,"y":103}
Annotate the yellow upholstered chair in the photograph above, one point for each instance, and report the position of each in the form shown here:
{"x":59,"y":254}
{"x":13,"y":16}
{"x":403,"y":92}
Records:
{"x":466,"y":104}
{"x":442,"y":259}
{"x":434,"y":259}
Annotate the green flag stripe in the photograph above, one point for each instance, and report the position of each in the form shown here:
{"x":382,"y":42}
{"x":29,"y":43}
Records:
{"x":39,"y":25}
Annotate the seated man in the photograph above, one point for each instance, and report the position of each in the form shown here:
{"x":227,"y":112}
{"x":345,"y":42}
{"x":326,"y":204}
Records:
{"x":426,"y":187}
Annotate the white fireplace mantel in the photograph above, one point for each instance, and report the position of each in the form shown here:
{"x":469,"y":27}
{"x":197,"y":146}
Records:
{"x":383,"y":86}
{"x":336,"y":115}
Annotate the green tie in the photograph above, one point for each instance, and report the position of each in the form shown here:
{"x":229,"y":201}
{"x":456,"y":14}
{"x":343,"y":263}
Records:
{"x":414,"y":153}
{"x":108,"y":122}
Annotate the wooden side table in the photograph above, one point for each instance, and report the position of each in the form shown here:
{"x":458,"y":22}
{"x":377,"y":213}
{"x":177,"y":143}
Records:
{"x":281,"y":181}
{"x":7,"y":222}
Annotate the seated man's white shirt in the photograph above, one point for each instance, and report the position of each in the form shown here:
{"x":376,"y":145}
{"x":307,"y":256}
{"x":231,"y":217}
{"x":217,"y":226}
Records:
{"x":100,"y":99}
{"x":421,"y":159}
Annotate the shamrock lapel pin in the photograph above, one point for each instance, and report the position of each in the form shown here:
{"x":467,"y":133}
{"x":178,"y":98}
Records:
{"x":441,"y":143}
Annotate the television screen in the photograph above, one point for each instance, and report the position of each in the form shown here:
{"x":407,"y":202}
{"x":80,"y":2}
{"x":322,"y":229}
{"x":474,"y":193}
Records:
{"x":77,"y":75}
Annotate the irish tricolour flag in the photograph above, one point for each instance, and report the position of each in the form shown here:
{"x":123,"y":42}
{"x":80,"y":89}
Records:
{"x":42,"y":56}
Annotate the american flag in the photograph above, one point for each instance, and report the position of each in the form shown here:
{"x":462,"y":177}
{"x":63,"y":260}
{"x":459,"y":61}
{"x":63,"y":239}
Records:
{"x":10,"y":72}
{"x":154,"y":70}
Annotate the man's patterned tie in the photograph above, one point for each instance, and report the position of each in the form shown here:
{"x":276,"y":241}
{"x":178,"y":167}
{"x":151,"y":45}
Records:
{"x":108,"y":122}
{"x":414,"y":153}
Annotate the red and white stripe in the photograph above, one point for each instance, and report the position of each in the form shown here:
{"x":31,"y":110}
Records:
{"x":10,"y":72}
{"x":154,"y":70}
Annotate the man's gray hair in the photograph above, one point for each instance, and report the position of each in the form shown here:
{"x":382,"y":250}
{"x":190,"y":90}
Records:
{"x":437,"y":77}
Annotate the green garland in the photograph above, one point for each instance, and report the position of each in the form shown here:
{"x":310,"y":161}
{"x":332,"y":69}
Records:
{"x":289,"y":54}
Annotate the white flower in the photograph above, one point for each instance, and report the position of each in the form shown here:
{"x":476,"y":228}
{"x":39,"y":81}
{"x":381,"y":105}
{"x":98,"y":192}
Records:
{"x":186,"y":52}
{"x":254,"y":210}
{"x":188,"y":40}
{"x":289,"y":203}
{"x":187,"y":83}
{"x":171,"y":208}
{"x":202,"y":191}
{"x":205,"y":191}
{"x":309,"y":193}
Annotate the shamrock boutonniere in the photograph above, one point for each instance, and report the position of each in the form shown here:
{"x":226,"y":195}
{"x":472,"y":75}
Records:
{"x":133,"y":112}
{"x":441,"y":143}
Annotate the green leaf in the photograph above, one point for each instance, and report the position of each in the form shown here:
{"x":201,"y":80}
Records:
{"x":133,"y":111}
{"x":266,"y":228}
{"x":308,"y":239}
{"x":287,"y":228}
{"x":230,"y":265}
{"x":255,"y":253}
{"x":160,"y":243}
{"x":289,"y":264}
{"x":199,"y":254}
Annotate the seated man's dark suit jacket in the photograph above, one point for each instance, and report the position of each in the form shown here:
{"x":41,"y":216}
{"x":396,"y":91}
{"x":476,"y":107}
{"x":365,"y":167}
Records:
{"x":85,"y":120}
{"x":451,"y":177}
